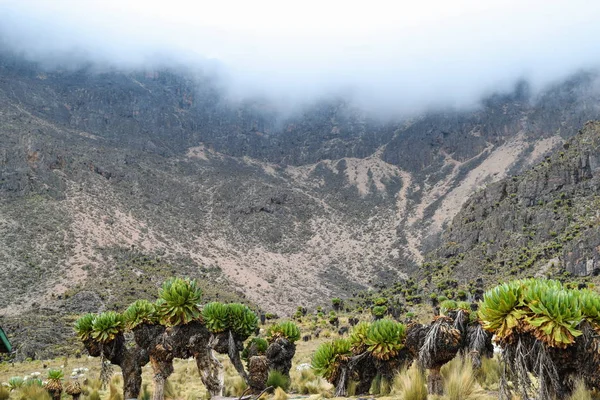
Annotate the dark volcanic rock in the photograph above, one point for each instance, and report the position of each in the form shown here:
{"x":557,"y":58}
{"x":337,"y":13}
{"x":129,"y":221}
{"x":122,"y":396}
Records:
{"x":543,"y":222}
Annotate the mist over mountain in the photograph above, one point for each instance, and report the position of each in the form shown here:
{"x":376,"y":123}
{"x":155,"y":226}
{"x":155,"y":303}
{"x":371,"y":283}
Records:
{"x":388,"y":61}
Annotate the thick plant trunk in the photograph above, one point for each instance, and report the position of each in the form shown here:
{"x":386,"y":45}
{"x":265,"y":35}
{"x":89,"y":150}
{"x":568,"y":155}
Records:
{"x":435,"y":383}
{"x":363,"y":366}
{"x":163,"y":368}
{"x":150,"y":339}
{"x":234,"y":356}
{"x":280,"y":354}
{"x":365,"y":382}
{"x":162,"y":365}
{"x":132,"y":376}
{"x":194,"y":340}
{"x":588,"y":357}
{"x":479,"y":344}
{"x":389,"y":368}
{"x":211,"y":371}
{"x":159,"y":387}
{"x":131,"y":360}
{"x":341,"y":385}
{"x":441,"y":344}
{"x":258,"y":368}
{"x":93,"y":347}
{"x":55,"y":394}
{"x":416,"y":334}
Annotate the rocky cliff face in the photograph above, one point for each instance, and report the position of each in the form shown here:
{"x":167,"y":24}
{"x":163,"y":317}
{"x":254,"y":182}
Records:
{"x":111,"y":181}
{"x":543,"y":222}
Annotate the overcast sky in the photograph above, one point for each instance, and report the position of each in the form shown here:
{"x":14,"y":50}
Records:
{"x":396,"y":56}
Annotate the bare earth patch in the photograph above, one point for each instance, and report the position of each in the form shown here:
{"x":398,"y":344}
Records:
{"x":280,"y":281}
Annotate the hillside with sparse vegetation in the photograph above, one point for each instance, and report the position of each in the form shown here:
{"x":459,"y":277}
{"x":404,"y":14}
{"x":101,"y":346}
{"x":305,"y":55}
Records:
{"x":148,"y":222}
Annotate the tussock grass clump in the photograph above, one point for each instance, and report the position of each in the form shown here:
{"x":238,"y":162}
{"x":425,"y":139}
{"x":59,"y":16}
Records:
{"x":299,"y":380}
{"x":490,"y":373}
{"x":114,"y":392}
{"x":171,"y":391}
{"x":4,"y":393}
{"x":410,"y":384}
{"x":94,"y":395}
{"x":94,"y":384}
{"x":280,"y":394}
{"x":34,"y":393}
{"x":460,"y":382}
{"x":326,"y":333}
{"x":385,"y":386}
{"x":278,"y":380}
{"x":117,"y":380}
{"x":306,"y":382}
{"x":580,"y":392}
{"x":380,"y":386}
{"x":352,"y":386}
{"x":145,"y":393}
{"x":235,"y":386}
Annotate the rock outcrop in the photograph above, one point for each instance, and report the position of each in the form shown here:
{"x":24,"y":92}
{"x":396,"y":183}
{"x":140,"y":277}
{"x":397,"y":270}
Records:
{"x":543,"y":222}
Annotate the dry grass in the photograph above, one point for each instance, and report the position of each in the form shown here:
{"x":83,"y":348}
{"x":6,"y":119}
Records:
{"x":280,"y":394}
{"x":580,"y":392}
{"x":306,"y":382}
{"x":490,"y":373}
{"x":30,"y":393}
{"x":234,"y":386}
{"x":185,"y":384}
{"x":410,"y":384}
{"x":460,"y":382}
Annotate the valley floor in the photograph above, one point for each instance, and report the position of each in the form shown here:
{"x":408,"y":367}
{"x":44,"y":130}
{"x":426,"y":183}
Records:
{"x":185,"y":383}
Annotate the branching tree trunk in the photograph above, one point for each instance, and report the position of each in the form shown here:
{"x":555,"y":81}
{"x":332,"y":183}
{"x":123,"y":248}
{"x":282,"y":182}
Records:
{"x":154,"y":339}
{"x":161,"y":358}
{"x":555,"y":369}
{"x":209,"y":367}
{"x":234,"y":349}
{"x":131,"y":358}
{"x":341,"y":385}
{"x":227,"y":343}
{"x":181,"y":341}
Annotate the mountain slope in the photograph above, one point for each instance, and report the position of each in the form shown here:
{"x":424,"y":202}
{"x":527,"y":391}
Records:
{"x":111,"y":181}
{"x":543,"y":222}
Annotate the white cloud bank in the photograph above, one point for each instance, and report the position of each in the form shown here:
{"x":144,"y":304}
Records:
{"x":395,"y":56}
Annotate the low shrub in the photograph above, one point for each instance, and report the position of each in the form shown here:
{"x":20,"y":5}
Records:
{"x":278,"y":380}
